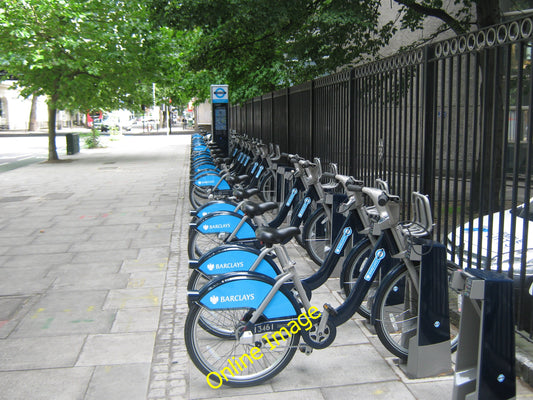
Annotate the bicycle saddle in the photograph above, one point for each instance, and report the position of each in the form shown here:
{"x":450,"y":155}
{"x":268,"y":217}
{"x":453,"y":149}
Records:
{"x":241,"y":194}
{"x":232,"y":180}
{"x":270,"y":236}
{"x":254,"y":209}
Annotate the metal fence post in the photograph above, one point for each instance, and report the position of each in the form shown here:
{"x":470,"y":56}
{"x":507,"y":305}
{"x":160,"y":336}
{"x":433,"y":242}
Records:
{"x":428,"y":147}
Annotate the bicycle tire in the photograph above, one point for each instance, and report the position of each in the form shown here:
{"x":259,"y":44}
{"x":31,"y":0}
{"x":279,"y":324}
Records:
{"x":211,"y":354}
{"x":201,"y":243}
{"x":350,"y":272}
{"x":198,"y":196}
{"x":316,"y":235}
{"x":197,"y":280}
{"x":267,"y":187}
{"x":396,"y":321}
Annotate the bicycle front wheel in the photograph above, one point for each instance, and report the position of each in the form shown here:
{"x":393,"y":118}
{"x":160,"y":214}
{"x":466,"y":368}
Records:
{"x":267,"y":187}
{"x":212,"y":353}
{"x":316,"y":236}
{"x":354,"y":263}
{"x":396,"y":319}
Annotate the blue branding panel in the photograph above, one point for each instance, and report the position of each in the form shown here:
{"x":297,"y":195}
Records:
{"x":225,"y":223}
{"x":306,"y":203}
{"x":292,"y":196}
{"x":233,"y":260}
{"x":207,"y":180}
{"x":213,"y":207}
{"x":261,"y":168}
{"x":378,"y":256}
{"x":247,"y":293}
{"x":223,"y":185}
{"x":203,"y":167}
{"x":247,"y":160}
{"x":345,"y":235}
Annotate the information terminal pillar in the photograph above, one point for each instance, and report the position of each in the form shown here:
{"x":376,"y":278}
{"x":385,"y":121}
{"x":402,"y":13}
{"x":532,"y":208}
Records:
{"x":220,"y":109}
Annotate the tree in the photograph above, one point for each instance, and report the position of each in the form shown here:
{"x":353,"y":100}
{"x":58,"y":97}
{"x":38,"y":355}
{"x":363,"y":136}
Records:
{"x":81,"y":54}
{"x":263,"y":45}
{"x":259,"y":46}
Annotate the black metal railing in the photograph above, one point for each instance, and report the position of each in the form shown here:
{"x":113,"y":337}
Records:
{"x":451,"y":120}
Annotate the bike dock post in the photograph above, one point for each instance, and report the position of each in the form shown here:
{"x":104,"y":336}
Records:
{"x":485,"y":367}
{"x":429,"y":350}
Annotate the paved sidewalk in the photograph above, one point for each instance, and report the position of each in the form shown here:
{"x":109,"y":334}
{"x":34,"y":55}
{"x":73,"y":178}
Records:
{"x":93,"y":273}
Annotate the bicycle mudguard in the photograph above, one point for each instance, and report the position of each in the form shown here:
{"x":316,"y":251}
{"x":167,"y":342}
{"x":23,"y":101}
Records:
{"x":210,"y":179}
{"x":233,"y":258}
{"x":214,"y":206}
{"x":205,"y":167}
{"x":225,"y":221}
{"x":246,"y":290}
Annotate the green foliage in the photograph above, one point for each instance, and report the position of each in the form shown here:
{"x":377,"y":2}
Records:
{"x":82,"y":54}
{"x":258,"y":46}
{"x":92,"y":140}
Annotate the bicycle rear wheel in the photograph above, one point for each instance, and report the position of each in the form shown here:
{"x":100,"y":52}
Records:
{"x":198,"y":196}
{"x":201,"y":243}
{"x":211,"y":353}
{"x":396,"y":319}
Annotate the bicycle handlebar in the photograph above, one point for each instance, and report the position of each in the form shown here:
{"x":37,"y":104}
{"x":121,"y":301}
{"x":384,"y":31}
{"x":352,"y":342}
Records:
{"x":384,"y":198}
{"x":354,"y":188}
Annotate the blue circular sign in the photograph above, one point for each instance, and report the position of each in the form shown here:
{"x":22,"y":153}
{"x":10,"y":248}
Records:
{"x":220,"y":93}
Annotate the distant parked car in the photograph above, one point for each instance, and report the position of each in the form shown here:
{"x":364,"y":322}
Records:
{"x":522,"y":219}
{"x":100,"y":124}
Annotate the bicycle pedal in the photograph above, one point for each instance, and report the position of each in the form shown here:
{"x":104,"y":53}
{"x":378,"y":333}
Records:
{"x":330,"y":309}
{"x":307,"y":350}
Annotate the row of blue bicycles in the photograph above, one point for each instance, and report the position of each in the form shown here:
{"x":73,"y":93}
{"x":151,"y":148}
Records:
{"x":250,"y":305}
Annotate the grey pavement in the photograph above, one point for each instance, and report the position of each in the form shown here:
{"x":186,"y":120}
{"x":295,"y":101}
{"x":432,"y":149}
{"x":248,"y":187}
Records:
{"x":93,"y":274}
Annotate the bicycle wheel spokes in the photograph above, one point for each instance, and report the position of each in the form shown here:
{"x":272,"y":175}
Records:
{"x":396,"y":320}
{"x":317,"y":236}
{"x":225,"y":359}
{"x":201,"y":243}
{"x":397,"y":312}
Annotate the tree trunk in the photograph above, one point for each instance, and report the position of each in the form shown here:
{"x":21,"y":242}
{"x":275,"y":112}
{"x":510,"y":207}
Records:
{"x":52,"y":150}
{"x":32,"y":125}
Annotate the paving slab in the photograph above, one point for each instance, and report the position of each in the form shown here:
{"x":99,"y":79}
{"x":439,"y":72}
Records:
{"x":45,"y":384}
{"x":128,"y":381}
{"x":117,"y":348}
{"x":145,"y":319}
{"x":67,"y":322}
{"x":40,"y":352}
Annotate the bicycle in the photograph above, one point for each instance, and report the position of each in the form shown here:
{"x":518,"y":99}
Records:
{"x":255,"y":308}
{"x":219,"y":228}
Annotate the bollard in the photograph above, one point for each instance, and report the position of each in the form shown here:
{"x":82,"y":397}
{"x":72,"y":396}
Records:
{"x":485,"y":367}
{"x":429,"y":350}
